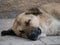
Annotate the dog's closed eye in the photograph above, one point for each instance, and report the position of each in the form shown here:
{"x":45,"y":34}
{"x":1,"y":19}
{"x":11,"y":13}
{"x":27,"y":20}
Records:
{"x":27,"y":22}
{"x":19,"y":23}
{"x":22,"y":32}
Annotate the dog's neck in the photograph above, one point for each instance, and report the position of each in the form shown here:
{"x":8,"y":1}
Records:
{"x":46,"y":18}
{"x":46,"y":21}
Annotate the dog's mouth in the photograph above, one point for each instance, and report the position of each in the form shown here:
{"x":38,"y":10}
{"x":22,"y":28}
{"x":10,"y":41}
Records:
{"x":32,"y":34}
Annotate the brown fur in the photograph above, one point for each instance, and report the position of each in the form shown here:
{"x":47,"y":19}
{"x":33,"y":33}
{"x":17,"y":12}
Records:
{"x":44,"y":16}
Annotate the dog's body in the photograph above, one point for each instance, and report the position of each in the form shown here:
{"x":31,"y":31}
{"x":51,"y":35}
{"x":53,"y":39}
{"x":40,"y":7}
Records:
{"x":46,"y":19}
{"x":50,"y":19}
{"x":52,"y":9}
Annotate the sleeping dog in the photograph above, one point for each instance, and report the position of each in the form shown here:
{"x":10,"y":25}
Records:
{"x":36,"y":21}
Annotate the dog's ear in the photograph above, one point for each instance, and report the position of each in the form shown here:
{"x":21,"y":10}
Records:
{"x":34,"y":11}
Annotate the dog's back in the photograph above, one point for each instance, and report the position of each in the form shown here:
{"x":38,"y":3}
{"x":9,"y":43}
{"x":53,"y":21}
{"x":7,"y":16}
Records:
{"x":52,"y":9}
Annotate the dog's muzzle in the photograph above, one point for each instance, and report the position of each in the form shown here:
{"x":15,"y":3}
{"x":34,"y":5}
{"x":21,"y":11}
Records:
{"x":34,"y":33}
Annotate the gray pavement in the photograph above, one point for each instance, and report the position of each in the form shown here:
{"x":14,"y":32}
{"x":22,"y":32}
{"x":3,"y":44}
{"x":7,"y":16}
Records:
{"x":12,"y":40}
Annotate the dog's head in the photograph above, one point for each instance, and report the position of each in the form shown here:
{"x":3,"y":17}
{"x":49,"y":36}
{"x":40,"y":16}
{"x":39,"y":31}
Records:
{"x":27,"y":24}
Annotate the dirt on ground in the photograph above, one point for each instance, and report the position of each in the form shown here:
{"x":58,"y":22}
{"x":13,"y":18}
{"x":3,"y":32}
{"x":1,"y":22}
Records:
{"x":12,"y":5}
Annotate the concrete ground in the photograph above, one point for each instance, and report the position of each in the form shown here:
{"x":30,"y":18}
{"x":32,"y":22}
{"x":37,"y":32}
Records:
{"x":12,"y":40}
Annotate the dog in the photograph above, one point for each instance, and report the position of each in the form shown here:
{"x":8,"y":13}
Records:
{"x":37,"y":21}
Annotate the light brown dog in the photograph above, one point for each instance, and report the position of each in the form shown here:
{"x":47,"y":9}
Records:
{"x":37,"y":21}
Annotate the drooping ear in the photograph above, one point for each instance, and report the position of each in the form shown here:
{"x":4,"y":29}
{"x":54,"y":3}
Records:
{"x":8,"y":32}
{"x":34,"y":11}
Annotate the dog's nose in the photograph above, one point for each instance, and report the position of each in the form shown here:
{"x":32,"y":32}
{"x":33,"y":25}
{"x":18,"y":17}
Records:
{"x":34,"y":34}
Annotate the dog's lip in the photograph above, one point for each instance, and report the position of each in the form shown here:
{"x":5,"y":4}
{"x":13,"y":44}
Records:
{"x":35,"y":38}
{"x":36,"y":31}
